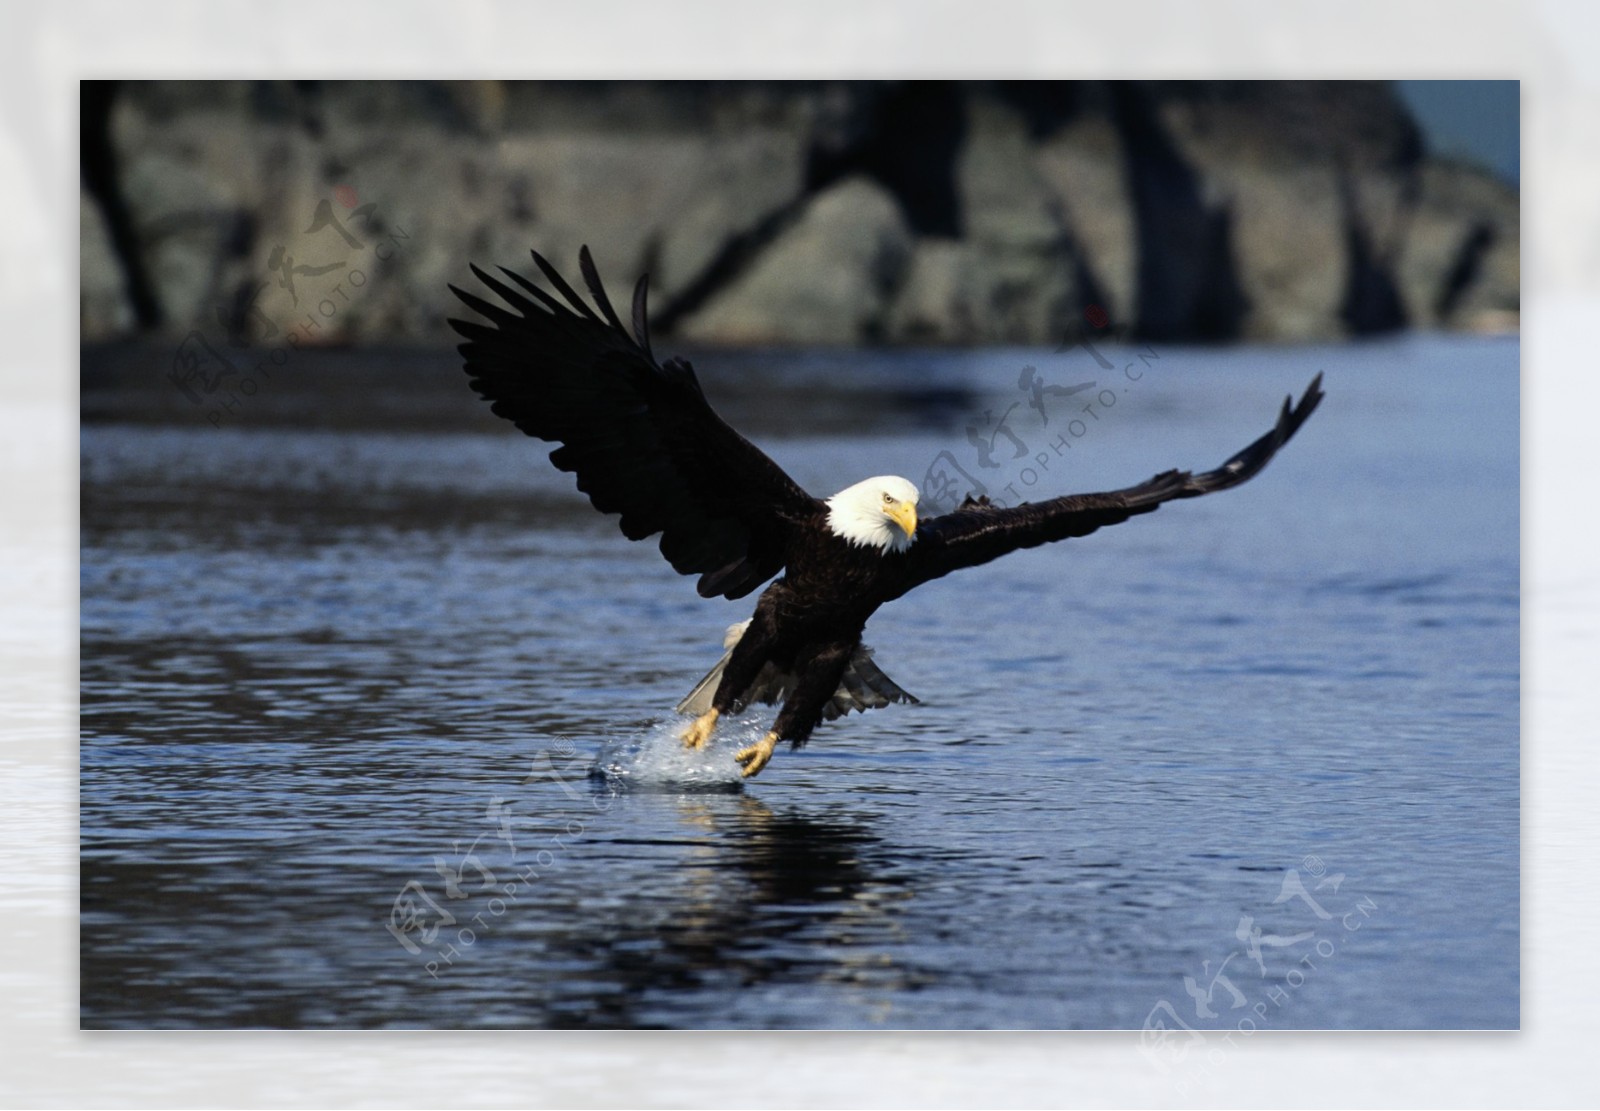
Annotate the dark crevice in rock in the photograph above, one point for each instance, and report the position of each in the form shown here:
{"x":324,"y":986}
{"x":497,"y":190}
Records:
{"x":890,"y":277}
{"x":726,"y":265}
{"x":298,"y":104}
{"x":308,"y":100}
{"x":1075,"y":317}
{"x":1093,"y":296}
{"x":1220,"y":303}
{"x":1045,"y":107}
{"x":1186,"y":283}
{"x":1464,"y":271}
{"x":1371,"y":299}
{"x":98,"y":158}
{"x":906,"y":138}
{"x":236,"y":311}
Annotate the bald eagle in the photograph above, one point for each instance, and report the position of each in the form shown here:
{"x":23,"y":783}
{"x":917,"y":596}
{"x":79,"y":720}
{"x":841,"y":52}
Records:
{"x":646,"y":445}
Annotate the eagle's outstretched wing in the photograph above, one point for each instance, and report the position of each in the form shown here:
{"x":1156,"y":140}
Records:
{"x":640,"y":435}
{"x":978,"y":532}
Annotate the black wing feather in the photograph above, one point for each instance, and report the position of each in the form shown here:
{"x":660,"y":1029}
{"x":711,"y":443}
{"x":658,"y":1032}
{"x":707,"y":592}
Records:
{"x":642,"y":439}
{"x":545,"y":299}
{"x":591,"y":278}
{"x":641,"y":321}
{"x":979,"y":532}
{"x":553,"y":276}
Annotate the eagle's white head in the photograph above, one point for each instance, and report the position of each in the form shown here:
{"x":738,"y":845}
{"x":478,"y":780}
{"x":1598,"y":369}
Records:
{"x":877,"y":513}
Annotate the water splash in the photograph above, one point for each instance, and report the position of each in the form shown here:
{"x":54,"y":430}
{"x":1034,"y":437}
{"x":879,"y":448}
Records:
{"x":655,"y":759}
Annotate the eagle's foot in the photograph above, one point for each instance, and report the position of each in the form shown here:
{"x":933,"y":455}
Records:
{"x":700,"y":732}
{"x":754,"y":758}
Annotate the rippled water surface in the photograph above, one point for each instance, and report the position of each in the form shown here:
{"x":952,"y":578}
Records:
{"x":349,"y":657}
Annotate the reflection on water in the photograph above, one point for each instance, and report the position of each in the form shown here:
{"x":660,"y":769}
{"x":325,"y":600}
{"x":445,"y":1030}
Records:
{"x":755,"y":902}
{"x":342,"y":687}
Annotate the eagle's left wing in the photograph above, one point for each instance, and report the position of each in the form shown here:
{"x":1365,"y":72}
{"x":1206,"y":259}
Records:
{"x":639,"y":435}
{"x":979,"y":532}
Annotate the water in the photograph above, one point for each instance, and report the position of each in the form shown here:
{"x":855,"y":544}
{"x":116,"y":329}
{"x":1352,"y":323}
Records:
{"x":360,"y":645}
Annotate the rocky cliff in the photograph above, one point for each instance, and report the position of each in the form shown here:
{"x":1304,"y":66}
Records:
{"x":789,"y":213}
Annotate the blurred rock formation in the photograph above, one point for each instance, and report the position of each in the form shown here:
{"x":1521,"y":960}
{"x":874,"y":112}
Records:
{"x":789,"y":213}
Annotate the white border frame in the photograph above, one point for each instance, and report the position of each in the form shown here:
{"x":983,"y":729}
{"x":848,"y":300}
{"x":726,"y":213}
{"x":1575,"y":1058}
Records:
{"x":47,"y":50}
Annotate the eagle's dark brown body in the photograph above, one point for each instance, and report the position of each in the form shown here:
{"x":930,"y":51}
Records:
{"x":809,"y":625}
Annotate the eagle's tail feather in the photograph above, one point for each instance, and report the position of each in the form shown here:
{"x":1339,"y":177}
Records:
{"x":698,"y":701}
{"x":863,"y":686}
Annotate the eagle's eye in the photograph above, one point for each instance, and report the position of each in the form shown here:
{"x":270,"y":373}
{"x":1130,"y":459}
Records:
{"x":888,"y":499}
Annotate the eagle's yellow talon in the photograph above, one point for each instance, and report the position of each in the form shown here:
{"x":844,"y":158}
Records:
{"x":700,"y":732}
{"x":756,"y":756}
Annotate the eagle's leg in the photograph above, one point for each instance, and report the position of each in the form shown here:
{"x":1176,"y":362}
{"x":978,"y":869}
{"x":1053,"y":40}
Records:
{"x":699,"y":730}
{"x":820,"y":670}
{"x":754,"y":758}
{"x":739,"y":670}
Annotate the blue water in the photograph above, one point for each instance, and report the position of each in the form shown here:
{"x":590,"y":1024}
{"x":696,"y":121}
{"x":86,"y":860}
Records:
{"x":339,"y":658}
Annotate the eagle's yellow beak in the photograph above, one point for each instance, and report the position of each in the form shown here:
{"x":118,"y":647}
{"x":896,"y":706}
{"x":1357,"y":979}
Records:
{"x":903,"y":514}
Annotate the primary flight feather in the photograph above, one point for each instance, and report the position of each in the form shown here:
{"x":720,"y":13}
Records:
{"x":646,"y":445}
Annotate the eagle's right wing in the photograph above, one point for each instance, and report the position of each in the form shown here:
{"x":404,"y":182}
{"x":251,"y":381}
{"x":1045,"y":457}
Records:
{"x":641,"y":436}
{"x":979,"y":532}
